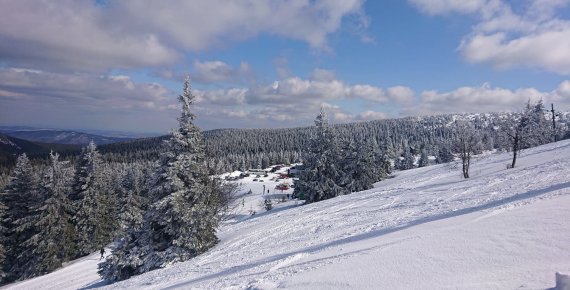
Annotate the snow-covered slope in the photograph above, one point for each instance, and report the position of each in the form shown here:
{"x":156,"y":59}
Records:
{"x":426,"y":228}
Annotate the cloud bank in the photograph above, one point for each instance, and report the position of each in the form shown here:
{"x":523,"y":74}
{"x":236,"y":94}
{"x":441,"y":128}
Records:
{"x":88,"y":36}
{"x":121,"y":103}
{"x":533,"y":34}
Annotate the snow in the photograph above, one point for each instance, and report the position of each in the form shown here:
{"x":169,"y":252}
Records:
{"x":425,"y":228}
{"x":562,"y":281}
{"x":81,"y":273}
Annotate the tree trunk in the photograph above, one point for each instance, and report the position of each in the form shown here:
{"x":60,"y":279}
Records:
{"x":465,"y":159}
{"x":515,"y":149}
{"x":465,"y":170}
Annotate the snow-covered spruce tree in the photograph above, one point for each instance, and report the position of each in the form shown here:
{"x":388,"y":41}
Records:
{"x":50,"y":244}
{"x":18,"y":199}
{"x":382,"y":158}
{"x":358,"y":167}
{"x":2,"y":242}
{"x":541,"y":129}
{"x":444,"y":154}
{"x":185,"y":211}
{"x":320,"y":178}
{"x":424,"y":160}
{"x":133,"y":202}
{"x":406,"y":161}
{"x":91,"y":203}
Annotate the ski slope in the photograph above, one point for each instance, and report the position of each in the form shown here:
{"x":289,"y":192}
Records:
{"x":425,"y":228}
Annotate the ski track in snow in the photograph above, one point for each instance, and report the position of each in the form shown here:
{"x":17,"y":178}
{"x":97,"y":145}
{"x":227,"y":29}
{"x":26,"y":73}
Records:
{"x":271,"y":249}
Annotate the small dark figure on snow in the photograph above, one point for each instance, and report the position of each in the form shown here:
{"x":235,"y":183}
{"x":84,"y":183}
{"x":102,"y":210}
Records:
{"x":102,"y":253}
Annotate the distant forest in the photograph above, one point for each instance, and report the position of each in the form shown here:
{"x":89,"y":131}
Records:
{"x":241,"y":149}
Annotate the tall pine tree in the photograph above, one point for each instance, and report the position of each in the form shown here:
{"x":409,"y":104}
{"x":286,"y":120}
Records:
{"x":19,"y":198}
{"x":92,"y":219}
{"x":358,"y":167}
{"x":133,"y":203}
{"x":321,"y":176}
{"x":51,"y":243}
{"x":184,"y":214}
{"x":2,"y":243}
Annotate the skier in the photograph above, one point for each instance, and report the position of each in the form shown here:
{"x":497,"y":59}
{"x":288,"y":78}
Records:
{"x":102,"y":253}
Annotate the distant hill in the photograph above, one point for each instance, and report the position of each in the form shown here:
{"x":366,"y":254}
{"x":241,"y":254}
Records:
{"x":62,"y":137}
{"x":14,"y":146}
{"x":11,"y":147}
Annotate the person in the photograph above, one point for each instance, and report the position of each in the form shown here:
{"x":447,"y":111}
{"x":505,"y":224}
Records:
{"x":102,"y":253}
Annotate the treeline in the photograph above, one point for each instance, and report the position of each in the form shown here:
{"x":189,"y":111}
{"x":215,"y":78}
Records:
{"x":241,"y":149}
{"x":335,"y":165}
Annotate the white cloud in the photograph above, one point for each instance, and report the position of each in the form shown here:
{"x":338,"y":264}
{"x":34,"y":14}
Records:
{"x":109,"y":91}
{"x":401,"y":94}
{"x":74,"y":35}
{"x":295,"y":101}
{"x":228,"y":97}
{"x":563,"y":90}
{"x":323,"y":75}
{"x":87,"y":36}
{"x":543,"y":9}
{"x":200,"y":24}
{"x":367,"y":92}
{"x":560,"y":96}
{"x":532,"y":34}
{"x":81,"y":100}
{"x":482,"y":99}
{"x":118,"y":102}
{"x":371,"y":115}
{"x":221,"y":72}
{"x":436,"y":7}
{"x":545,"y":50}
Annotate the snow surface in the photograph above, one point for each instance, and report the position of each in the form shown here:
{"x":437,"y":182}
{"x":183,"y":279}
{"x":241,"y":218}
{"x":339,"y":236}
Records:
{"x":426,"y":228}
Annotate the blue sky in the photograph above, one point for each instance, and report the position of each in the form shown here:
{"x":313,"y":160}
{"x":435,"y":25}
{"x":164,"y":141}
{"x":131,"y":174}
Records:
{"x":118,"y":65}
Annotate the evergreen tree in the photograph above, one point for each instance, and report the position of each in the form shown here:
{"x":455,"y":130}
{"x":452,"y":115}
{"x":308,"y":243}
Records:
{"x":19,"y":198}
{"x":185,"y":211}
{"x":320,"y":178}
{"x":92,"y":219}
{"x":383,"y":163}
{"x":406,"y":161}
{"x":108,"y":205}
{"x":133,"y":202}
{"x":50,"y":244}
{"x":2,"y":243}
{"x":424,"y":160}
{"x":444,"y":155}
{"x":358,"y":167}
{"x":540,"y":127}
